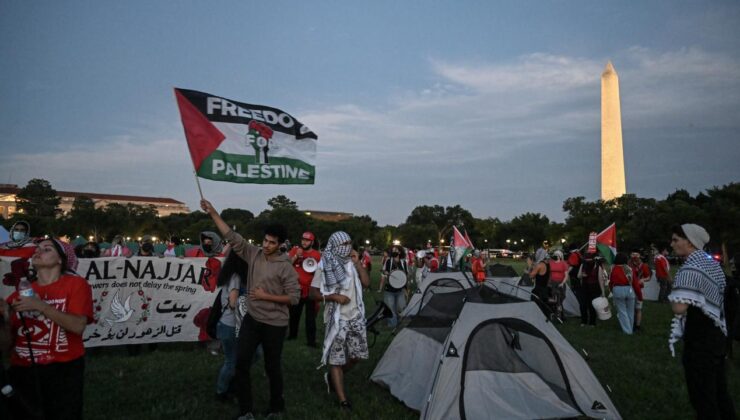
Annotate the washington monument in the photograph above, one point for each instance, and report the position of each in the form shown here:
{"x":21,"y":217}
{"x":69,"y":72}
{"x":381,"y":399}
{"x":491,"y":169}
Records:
{"x":612,"y":157}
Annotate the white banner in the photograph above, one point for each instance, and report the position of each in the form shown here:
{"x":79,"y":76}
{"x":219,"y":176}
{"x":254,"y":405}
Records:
{"x":140,"y":299}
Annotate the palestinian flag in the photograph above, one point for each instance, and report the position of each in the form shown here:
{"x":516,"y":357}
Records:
{"x":606,"y":243}
{"x":467,"y":238}
{"x":460,"y":245}
{"x":238,"y":142}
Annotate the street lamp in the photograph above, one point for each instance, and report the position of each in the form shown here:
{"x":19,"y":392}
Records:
{"x":367,"y":241}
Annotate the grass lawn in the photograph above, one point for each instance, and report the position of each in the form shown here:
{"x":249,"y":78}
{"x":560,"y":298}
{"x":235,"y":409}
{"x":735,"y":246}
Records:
{"x":177,"y":381}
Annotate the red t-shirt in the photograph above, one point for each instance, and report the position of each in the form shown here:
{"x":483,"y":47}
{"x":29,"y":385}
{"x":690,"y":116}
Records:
{"x":478,"y":271}
{"x":557,"y":271}
{"x":640,"y":271}
{"x":304,"y":277}
{"x":50,"y":342}
{"x":618,"y":278}
{"x":661,"y":267}
{"x":574,"y":259}
{"x":434,"y":265}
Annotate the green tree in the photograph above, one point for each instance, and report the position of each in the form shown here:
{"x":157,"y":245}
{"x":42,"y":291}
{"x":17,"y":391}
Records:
{"x":282,"y":202}
{"x":38,"y":199}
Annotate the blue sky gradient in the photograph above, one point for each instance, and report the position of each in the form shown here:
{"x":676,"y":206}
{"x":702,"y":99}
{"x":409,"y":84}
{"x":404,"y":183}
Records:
{"x":490,"y":105}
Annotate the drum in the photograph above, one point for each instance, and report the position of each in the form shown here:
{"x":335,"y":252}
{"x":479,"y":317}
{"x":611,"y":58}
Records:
{"x":397,"y":279}
{"x":309,"y":265}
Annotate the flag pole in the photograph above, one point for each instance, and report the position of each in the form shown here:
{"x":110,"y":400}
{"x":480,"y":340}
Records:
{"x":197,"y":182}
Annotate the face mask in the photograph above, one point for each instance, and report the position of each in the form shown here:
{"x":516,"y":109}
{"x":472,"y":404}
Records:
{"x":147,"y":247}
{"x":19,"y":236}
{"x":88,"y":253}
{"x":395,"y":254}
{"x":207,"y":248}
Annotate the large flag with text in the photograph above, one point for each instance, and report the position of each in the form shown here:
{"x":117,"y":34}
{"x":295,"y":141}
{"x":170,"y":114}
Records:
{"x":239,"y":142}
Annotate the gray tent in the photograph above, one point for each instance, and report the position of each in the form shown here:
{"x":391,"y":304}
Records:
{"x":478,"y":353}
{"x":513,"y":286}
{"x":434,"y":283}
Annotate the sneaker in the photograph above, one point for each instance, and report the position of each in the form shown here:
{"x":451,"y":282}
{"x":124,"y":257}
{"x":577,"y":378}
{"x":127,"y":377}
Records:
{"x":274,"y":414}
{"x":247,"y":416}
{"x":345,"y":405}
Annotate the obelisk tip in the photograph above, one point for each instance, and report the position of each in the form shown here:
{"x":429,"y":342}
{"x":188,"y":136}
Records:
{"x":609,"y":68}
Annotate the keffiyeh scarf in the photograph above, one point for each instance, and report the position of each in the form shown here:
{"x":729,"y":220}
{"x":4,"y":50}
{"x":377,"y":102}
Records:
{"x":334,"y":258}
{"x":700,"y":282}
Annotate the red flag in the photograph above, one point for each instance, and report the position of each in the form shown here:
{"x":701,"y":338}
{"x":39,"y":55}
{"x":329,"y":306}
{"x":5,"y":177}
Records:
{"x":467,"y":238}
{"x":202,"y":136}
{"x":606,"y":242}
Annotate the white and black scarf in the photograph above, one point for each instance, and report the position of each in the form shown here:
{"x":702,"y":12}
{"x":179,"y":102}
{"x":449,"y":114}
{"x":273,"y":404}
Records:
{"x":334,"y":258}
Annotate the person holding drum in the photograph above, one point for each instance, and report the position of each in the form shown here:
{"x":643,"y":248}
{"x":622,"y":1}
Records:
{"x":393,"y":284}
{"x":305,"y":259}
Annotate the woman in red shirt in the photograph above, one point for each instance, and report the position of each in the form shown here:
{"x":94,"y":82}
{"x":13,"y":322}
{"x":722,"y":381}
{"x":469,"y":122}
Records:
{"x":47,"y":359}
{"x":623,"y":291}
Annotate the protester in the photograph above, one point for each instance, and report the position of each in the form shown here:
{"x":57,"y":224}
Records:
{"x":230,"y":279}
{"x":146,"y":247}
{"x":477,"y":267}
{"x":697,"y":300}
{"x":91,"y":250}
{"x":621,"y":285}
{"x":345,"y":341}
{"x":117,"y":248}
{"x":210,"y":246}
{"x":298,"y":255}
{"x":590,"y":289}
{"x":272,"y":284}
{"x":174,"y":247}
{"x":21,"y":242}
{"x":431,"y":262}
{"x":47,"y":363}
{"x":558,"y":277}
{"x":663,"y":274}
{"x":641,"y":272}
{"x":394,"y":297}
{"x":366,"y":260}
{"x":539,"y":271}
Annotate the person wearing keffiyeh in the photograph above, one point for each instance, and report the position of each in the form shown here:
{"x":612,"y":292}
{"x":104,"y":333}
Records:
{"x":697,"y":300}
{"x":339,"y":282}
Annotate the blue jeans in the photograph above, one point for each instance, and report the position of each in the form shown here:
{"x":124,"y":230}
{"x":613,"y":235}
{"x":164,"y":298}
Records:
{"x":396,"y":301}
{"x":624,"y":301}
{"x":227,"y":336}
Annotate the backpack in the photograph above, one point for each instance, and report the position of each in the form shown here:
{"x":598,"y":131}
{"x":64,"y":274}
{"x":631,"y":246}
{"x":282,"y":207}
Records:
{"x":214,"y":316}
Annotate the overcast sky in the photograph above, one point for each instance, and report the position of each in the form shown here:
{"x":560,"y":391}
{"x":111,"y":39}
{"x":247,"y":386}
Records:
{"x":491,"y":105}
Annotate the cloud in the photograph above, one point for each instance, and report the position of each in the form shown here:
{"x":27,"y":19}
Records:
{"x":499,"y":138}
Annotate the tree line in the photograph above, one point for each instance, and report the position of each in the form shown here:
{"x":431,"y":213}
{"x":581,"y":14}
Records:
{"x":641,"y":222}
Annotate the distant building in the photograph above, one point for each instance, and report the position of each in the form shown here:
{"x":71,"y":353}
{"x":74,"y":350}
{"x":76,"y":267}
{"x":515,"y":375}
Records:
{"x":328,"y":216}
{"x":164,"y":206}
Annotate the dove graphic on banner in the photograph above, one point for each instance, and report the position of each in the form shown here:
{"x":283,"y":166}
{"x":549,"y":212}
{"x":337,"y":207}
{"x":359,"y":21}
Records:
{"x":120,"y":312}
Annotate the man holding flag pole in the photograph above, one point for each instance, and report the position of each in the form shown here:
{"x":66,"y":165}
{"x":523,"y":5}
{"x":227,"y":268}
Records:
{"x":245,"y":143}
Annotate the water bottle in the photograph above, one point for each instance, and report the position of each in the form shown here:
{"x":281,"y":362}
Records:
{"x":25,"y":290}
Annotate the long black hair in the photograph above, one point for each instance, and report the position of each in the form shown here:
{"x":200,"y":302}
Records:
{"x":233,"y":264}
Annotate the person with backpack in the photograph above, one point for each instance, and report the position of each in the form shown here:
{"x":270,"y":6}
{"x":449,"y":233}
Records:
{"x":623,"y":292}
{"x":697,"y":301}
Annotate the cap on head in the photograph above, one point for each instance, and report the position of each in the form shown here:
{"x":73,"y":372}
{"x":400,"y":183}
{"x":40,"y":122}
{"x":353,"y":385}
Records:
{"x":696,"y":234}
{"x":308,"y":236}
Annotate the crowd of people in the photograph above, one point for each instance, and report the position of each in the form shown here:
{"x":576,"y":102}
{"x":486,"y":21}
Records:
{"x":266,"y":290}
